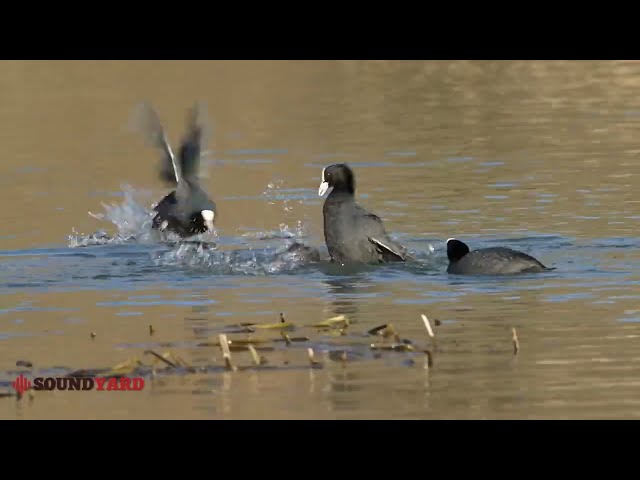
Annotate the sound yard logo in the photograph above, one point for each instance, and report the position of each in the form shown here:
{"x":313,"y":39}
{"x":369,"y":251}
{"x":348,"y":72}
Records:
{"x":109,"y":384}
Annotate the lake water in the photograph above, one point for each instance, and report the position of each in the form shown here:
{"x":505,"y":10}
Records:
{"x":537,"y":156}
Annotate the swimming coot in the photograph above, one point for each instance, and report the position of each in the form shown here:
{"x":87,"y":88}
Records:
{"x":489,"y":261}
{"x":352,"y":234}
{"x":188,"y":210}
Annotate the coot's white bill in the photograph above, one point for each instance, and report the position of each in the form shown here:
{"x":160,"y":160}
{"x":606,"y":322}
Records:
{"x":324,"y":186}
{"x":208,"y":216}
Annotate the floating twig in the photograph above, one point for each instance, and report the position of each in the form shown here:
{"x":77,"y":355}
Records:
{"x":312,"y":360}
{"x":182,"y":363}
{"x":161,"y":358}
{"x":427,"y":325}
{"x":24,"y":363}
{"x":226,"y":353}
{"x":377,"y":330}
{"x":516,"y":343}
{"x":254,"y":354}
{"x":429,"y":362}
{"x":385,"y":331}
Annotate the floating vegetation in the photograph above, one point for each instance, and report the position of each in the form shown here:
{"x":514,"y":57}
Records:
{"x":252,"y":342}
{"x":282,"y":324}
{"x":124,"y":368}
{"x":272,"y":326}
{"x":341,"y":321}
{"x":387,"y":331}
{"x":162,"y":358}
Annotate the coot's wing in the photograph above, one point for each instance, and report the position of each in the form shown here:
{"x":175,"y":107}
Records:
{"x":389,"y":248}
{"x":374,"y":228}
{"x":146,"y":120}
{"x":521,"y":258}
{"x":501,"y":260}
{"x":191,"y":147}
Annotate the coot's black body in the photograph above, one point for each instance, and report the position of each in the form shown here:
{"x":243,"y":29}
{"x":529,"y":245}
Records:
{"x":352,"y":234}
{"x":489,"y":261}
{"x":183,"y":210}
{"x":187,"y":210}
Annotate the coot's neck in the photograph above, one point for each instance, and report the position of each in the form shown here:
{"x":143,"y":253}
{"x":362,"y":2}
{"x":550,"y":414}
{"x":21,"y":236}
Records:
{"x":342,"y":193}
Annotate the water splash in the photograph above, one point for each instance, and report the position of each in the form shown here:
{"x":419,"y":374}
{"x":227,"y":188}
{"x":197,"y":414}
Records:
{"x":259,"y":262}
{"x":131,"y":219}
{"x":286,"y":250}
{"x":133,"y":222}
{"x":276,"y":193}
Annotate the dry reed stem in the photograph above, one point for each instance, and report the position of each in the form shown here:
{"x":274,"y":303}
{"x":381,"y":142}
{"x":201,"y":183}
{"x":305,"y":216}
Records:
{"x":226,"y":353}
{"x":427,"y":325}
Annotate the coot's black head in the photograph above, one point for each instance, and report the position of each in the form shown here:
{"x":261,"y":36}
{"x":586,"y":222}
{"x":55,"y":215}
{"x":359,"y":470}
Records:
{"x":456,"y":249}
{"x":202,"y":221}
{"x":338,"y":176}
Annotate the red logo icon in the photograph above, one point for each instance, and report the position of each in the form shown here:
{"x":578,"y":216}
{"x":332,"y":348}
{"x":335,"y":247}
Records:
{"x":21,"y":384}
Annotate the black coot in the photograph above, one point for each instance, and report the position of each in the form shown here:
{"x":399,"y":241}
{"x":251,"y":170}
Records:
{"x":352,"y":234}
{"x":489,"y":261}
{"x":188,"y":210}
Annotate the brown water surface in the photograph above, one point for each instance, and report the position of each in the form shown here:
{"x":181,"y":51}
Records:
{"x":538,"y":156}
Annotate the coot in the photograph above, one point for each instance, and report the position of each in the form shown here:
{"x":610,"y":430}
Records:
{"x":489,"y":261}
{"x":352,"y":234}
{"x":188,"y":210}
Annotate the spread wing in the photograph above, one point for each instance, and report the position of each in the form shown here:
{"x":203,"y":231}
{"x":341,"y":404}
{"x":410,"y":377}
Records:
{"x":146,"y":120}
{"x":191,"y":148}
